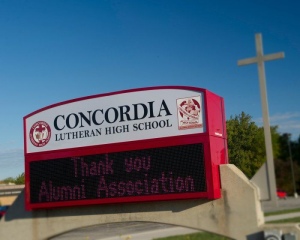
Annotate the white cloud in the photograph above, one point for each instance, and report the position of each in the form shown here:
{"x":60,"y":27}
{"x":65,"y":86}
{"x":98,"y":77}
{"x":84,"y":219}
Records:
{"x":280,"y":117}
{"x":285,"y":116}
{"x":288,"y":122}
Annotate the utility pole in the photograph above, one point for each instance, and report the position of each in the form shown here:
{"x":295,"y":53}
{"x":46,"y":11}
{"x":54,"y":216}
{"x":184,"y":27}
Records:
{"x":292,"y":166}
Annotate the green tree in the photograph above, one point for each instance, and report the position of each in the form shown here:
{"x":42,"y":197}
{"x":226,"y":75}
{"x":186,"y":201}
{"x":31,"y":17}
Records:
{"x":297,"y":150}
{"x":246,"y":146}
{"x":246,"y":149}
{"x":9,"y":180}
{"x":20,"y":179}
{"x":283,"y":163}
{"x":284,"y":178}
{"x":284,"y":148}
{"x":275,"y":141}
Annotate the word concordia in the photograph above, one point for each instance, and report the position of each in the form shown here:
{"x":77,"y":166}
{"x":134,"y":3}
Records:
{"x":77,"y":122}
{"x":123,"y":113}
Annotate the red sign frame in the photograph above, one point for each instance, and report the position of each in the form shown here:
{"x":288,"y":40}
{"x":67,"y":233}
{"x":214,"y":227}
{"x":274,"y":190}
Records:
{"x":214,"y":141}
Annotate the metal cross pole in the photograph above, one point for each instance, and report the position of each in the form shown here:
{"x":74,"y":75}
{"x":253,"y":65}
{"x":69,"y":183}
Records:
{"x":260,"y":59}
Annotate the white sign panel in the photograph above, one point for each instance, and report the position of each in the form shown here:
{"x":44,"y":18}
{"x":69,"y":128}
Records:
{"x":113,"y":118}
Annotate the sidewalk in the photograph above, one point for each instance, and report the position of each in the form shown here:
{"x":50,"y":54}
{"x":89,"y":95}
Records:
{"x":289,"y":203}
{"x":150,"y":235}
{"x":282,"y":204}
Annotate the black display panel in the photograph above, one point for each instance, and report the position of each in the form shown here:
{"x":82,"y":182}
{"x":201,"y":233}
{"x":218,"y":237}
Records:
{"x":156,"y":171}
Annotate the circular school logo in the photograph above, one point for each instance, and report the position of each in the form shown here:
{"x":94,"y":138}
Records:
{"x":40,"y":134}
{"x":189,"y":113}
{"x":189,"y":108}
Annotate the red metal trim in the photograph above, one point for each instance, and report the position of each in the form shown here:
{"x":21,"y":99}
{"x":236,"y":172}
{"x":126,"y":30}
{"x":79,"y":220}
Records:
{"x":135,"y":199}
{"x":215,"y":152}
{"x":117,"y":147}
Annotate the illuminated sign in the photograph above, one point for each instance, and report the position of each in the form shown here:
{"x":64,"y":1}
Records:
{"x":159,"y":143}
{"x":105,"y":177}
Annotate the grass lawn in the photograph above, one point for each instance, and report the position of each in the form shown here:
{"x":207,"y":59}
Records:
{"x":289,"y":220}
{"x":282,"y":212}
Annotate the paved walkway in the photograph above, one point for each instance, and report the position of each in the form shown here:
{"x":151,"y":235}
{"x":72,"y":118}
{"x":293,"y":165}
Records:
{"x":150,"y":235}
{"x":125,"y":231}
{"x":282,"y":204}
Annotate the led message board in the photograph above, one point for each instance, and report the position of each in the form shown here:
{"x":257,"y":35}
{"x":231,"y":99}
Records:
{"x":158,"y":143}
{"x":156,"y":171}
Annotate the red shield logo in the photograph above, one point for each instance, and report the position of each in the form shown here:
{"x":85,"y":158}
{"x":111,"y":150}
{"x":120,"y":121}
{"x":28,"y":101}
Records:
{"x":189,"y":110}
{"x":40,"y":134}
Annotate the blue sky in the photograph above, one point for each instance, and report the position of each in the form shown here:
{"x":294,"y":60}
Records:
{"x":51,"y":51}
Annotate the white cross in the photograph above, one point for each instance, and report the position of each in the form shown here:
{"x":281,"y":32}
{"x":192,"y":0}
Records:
{"x":260,"y":59}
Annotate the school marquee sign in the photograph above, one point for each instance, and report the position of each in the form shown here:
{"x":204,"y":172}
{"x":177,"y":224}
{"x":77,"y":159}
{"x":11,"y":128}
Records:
{"x":158,"y":143}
